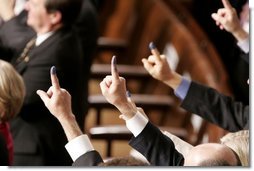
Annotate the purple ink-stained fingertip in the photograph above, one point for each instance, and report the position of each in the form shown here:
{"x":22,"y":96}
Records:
{"x":114,"y":60}
{"x":152,"y":46}
{"x":53,"y":70}
{"x":113,"y":63}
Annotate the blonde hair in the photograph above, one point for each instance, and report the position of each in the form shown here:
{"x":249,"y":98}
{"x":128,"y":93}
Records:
{"x":239,"y":143}
{"x":12,"y":91}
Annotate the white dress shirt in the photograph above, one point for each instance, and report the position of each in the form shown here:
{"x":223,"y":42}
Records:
{"x":81,"y":144}
{"x":41,"y":38}
{"x":244,"y":45}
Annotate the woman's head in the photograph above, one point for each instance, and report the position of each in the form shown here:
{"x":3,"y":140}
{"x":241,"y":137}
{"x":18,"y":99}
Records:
{"x":12,"y":91}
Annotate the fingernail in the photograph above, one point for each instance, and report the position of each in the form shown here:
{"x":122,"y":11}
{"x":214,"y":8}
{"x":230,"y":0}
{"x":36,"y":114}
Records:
{"x":114,"y":62}
{"x":128,"y":94}
{"x":53,"y":70}
{"x":152,"y":46}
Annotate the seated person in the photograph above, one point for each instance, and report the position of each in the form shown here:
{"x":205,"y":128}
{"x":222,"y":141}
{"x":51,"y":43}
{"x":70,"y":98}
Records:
{"x":148,"y":140}
{"x":226,"y":18}
{"x":58,"y":101}
{"x":12,"y":93}
{"x":199,"y":99}
{"x":237,"y":141}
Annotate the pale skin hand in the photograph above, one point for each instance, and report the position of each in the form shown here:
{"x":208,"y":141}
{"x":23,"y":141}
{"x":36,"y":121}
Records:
{"x":113,"y":89}
{"x":226,"y":18}
{"x":158,"y":68}
{"x":7,"y":9}
{"x":58,"y":102}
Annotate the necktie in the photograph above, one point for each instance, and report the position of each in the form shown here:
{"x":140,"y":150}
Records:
{"x":24,"y":55}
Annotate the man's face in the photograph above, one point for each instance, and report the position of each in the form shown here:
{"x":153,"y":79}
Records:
{"x":38,"y":18}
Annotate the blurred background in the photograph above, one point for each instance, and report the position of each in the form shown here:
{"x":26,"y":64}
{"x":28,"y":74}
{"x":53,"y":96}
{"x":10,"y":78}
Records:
{"x":185,"y":32}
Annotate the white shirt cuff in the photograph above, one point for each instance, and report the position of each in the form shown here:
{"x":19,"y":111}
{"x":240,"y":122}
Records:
{"x":244,"y":45}
{"x":137,"y":123}
{"x":79,"y":146}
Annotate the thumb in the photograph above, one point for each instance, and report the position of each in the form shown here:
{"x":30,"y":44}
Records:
{"x":215,"y":17}
{"x":43,"y":95}
{"x":147,"y":65}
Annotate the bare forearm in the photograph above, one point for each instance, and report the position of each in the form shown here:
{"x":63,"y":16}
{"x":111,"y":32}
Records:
{"x":127,"y":109}
{"x":240,"y":35}
{"x":174,"y":81}
{"x":70,"y":127}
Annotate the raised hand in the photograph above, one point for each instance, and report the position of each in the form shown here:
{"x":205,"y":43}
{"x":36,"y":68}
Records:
{"x":158,"y":67}
{"x":226,"y":18}
{"x":113,"y":89}
{"x":56,"y":99}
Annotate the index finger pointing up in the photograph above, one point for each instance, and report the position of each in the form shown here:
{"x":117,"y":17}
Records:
{"x":226,"y":4}
{"x":154,"y":51}
{"x":54,"y":79}
{"x":114,"y":71}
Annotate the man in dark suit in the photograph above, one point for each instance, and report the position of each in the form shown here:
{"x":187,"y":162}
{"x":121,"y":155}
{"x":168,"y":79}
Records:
{"x":201,"y":100}
{"x":149,"y":140}
{"x":15,"y":33}
{"x":236,"y":67}
{"x":38,"y":137}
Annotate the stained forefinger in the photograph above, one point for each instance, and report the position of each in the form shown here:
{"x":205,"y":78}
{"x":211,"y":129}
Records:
{"x":54,"y":79}
{"x":154,"y":51}
{"x":114,"y":71}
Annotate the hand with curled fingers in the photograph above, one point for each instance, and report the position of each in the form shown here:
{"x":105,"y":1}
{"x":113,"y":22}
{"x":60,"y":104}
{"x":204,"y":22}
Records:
{"x":114,"y":90}
{"x":158,"y":67}
{"x":226,"y":18}
{"x":56,"y":99}
{"x":58,"y":102}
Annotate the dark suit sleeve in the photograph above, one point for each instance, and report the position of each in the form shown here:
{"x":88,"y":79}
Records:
{"x":158,"y":149}
{"x":216,"y":108}
{"x":245,"y":56}
{"x":91,"y":158}
{"x":14,"y":34}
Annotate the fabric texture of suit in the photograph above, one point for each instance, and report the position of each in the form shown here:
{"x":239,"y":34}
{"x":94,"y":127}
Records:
{"x":4,"y":158}
{"x":86,"y":27}
{"x":156,"y":147}
{"x":38,"y":137}
{"x":14,"y":34}
{"x":45,"y":135}
{"x":225,"y":44}
{"x":91,"y":158}
{"x":216,"y":108}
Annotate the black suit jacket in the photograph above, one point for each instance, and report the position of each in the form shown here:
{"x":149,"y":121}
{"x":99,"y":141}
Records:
{"x":14,"y":34}
{"x":246,"y":57}
{"x":157,"y":148}
{"x":4,"y":156}
{"x":91,"y":158}
{"x":216,"y":108}
{"x":45,"y":137}
{"x":38,"y":137}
